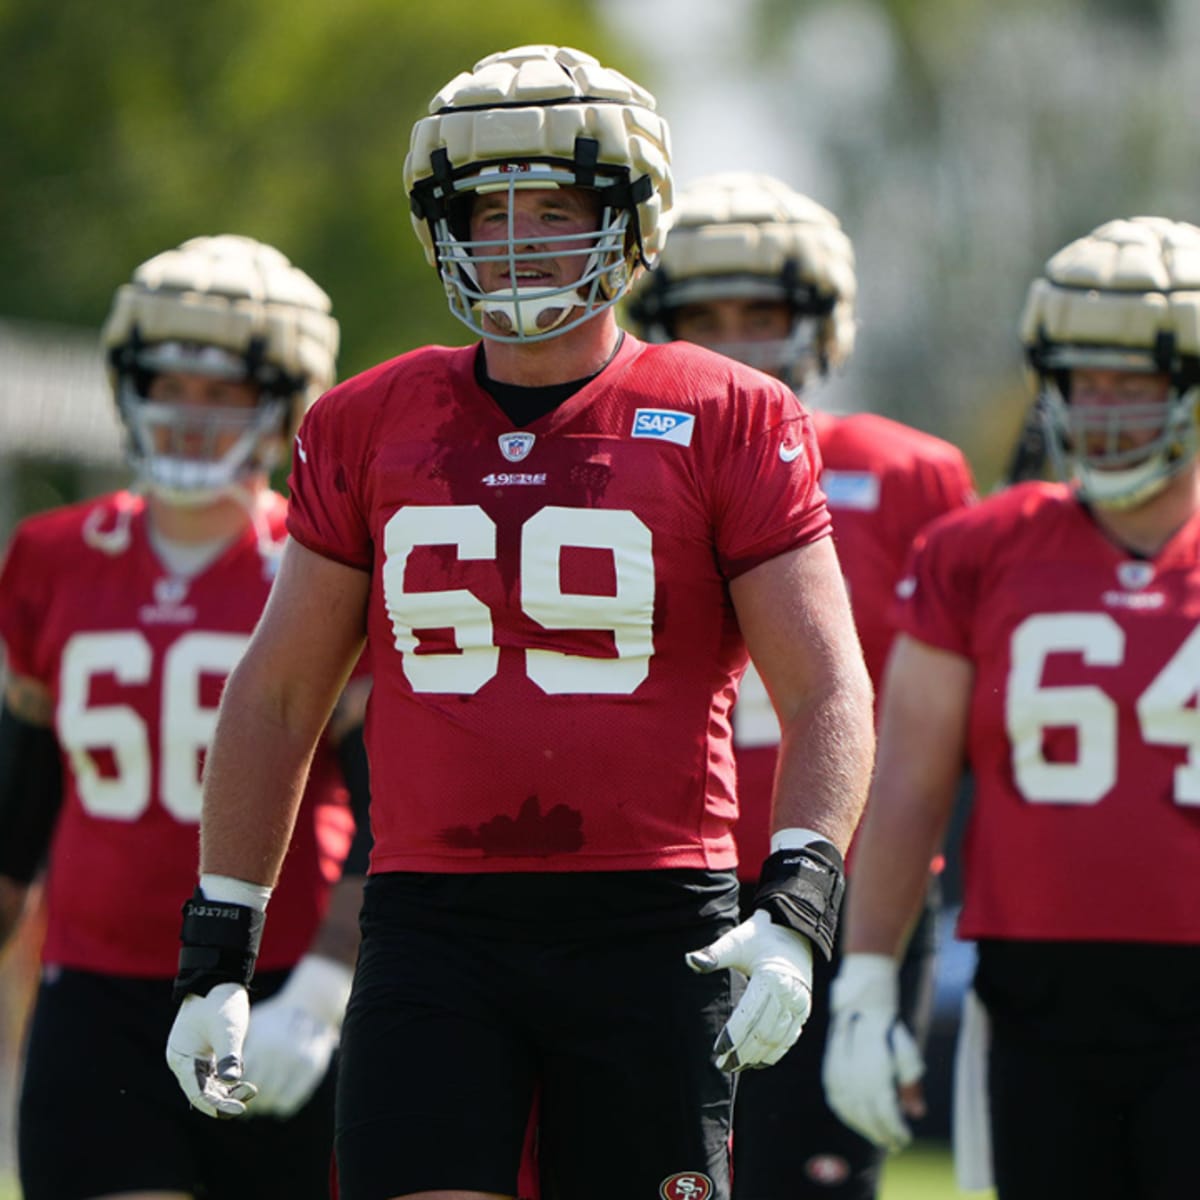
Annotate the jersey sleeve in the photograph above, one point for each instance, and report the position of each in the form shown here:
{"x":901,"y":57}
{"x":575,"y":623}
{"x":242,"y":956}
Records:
{"x":949,"y":485}
{"x":23,"y":600}
{"x":325,"y":512}
{"x":767,"y":499}
{"x":938,"y":592}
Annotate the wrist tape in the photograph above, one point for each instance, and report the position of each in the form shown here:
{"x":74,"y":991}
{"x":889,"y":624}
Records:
{"x":219,"y":945}
{"x":801,"y":889}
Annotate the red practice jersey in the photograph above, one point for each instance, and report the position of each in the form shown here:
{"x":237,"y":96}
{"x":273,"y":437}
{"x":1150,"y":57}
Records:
{"x":553,"y":646}
{"x":883,"y":482}
{"x":135,"y":660}
{"x":1084,"y":733}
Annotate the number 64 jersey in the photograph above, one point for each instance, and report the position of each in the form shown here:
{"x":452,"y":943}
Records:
{"x":135,"y":661}
{"x":1084,"y":731}
{"x":553,"y":646}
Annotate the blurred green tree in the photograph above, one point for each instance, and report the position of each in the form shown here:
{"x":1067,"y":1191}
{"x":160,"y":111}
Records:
{"x":132,"y":125}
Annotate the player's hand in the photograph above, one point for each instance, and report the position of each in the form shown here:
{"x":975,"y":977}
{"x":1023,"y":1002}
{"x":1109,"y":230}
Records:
{"x":871,"y":1060}
{"x":777,"y":999}
{"x":204,"y":1050}
{"x":293,"y":1035}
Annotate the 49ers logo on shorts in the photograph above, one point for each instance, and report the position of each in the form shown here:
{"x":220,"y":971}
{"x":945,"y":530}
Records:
{"x":686,"y":1185}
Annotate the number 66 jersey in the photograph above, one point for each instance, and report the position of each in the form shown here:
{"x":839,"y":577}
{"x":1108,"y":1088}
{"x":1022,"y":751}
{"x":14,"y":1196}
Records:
{"x":1084,"y":731}
{"x":553,"y":646}
{"x":135,"y":660}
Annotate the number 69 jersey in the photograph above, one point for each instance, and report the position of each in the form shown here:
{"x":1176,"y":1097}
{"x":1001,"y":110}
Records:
{"x":1084,"y":731}
{"x":135,"y":661}
{"x":553,"y":646}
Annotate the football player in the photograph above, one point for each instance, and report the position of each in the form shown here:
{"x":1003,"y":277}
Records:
{"x":756,"y":270}
{"x":1049,"y":636}
{"x":560,"y":544}
{"x":121,"y":617}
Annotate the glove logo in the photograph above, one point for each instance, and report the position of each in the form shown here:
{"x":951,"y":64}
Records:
{"x":686,"y":1185}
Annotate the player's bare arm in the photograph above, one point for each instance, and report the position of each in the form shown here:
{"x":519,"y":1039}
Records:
{"x":873,"y":1066}
{"x":796,"y":620}
{"x":275,"y":705}
{"x":293,"y":1034}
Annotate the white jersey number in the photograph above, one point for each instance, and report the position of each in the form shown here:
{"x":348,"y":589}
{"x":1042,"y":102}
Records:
{"x":1167,"y":710}
{"x":185,"y":725}
{"x":628,"y":613}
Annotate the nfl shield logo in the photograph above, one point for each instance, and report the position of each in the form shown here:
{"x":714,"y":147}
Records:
{"x":170,"y":592}
{"x":1134,"y":575}
{"x":516,"y":446}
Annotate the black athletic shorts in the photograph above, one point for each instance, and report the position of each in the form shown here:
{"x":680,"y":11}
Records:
{"x":473,"y":991}
{"x":787,"y":1142}
{"x":100,"y":1111}
{"x":1093,"y":1068}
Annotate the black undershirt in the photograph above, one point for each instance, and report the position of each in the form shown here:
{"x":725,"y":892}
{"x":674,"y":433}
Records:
{"x":1140,"y":555}
{"x":523,"y":405}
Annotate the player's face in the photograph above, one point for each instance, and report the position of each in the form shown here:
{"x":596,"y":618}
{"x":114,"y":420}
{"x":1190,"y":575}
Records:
{"x":201,"y":400}
{"x":717,"y":323}
{"x":754,"y":331}
{"x":537,"y":215}
{"x":1118,"y":410}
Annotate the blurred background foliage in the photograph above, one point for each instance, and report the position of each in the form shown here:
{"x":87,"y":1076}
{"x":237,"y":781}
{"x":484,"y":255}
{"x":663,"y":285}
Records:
{"x":960,"y":142}
{"x":129,"y":126}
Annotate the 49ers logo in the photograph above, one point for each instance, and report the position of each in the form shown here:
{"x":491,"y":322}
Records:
{"x":686,"y":1185}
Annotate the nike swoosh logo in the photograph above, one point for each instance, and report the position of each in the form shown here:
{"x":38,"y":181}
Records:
{"x":791,"y":453}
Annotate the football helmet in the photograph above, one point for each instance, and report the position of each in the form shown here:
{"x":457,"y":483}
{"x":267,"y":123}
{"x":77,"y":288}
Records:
{"x":539,"y":117}
{"x":230,"y":308}
{"x":1126,"y":297}
{"x":740,"y":235}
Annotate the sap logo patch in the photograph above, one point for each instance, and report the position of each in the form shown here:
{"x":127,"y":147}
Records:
{"x":1135,"y":577}
{"x":858,"y":490}
{"x":664,"y":424}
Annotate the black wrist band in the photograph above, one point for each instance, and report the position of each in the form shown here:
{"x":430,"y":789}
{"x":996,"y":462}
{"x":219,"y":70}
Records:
{"x":802,"y":889}
{"x":220,"y":944}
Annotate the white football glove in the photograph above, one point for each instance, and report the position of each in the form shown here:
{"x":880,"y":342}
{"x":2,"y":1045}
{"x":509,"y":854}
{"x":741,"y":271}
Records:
{"x":204,"y":1050}
{"x":870,"y":1053}
{"x":293,"y":1035}
{"x":777,"y":999}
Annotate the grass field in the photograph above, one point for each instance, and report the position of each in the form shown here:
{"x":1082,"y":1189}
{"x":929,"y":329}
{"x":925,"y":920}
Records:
{"x":922,"y":1172}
